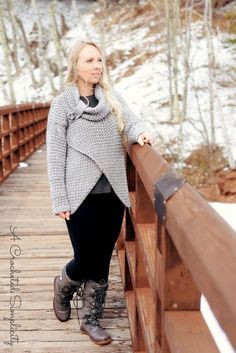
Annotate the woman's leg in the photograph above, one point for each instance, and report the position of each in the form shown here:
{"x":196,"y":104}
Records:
{"x":81,"y":227}
{"x":94,"y":229}
{"x":109,"y":224}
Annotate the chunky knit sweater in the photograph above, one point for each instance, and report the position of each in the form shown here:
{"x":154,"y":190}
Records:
{"x":84,"y":142}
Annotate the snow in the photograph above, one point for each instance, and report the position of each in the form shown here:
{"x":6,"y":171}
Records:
{"x":147,"y":90}
{"x":153,"y":95}
{"x":227,"y":211}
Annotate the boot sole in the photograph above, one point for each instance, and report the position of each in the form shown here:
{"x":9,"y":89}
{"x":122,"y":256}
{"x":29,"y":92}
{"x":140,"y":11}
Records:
{"x":54,"y":306}
{"x":100,"y":343}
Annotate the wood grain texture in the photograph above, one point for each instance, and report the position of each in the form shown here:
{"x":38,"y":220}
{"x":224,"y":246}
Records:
{"x":187,"y":332}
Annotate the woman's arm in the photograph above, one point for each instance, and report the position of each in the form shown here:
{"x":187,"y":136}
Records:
{"x":56,"y":155}
{"x":135,"y":128}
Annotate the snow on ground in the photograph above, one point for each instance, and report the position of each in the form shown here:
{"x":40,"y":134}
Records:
{"x":147,"y":91}
{"x":150,"y":84}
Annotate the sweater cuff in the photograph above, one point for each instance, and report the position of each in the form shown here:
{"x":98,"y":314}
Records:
{"x":139,"y":129}
{"x":59,"y":205}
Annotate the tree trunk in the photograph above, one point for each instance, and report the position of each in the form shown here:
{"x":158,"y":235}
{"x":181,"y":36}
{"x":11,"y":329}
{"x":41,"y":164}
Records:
{"x":168,"y":42}
{"x":211,"y":64}
{"x":64,"y":27}
{"x":14,"y":32}
{"x":6,"y":55}
{"x":32,"y":58}
{"x":4,"y":92}
{"x":102,"y":30}
{"x":57,"y":44}
{"x":40,"y":50}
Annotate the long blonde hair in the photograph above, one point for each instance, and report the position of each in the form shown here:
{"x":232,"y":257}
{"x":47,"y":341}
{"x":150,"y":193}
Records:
{"x":116,"y":108}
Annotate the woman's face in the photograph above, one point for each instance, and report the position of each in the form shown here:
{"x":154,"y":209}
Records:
{"x":89,"y":65}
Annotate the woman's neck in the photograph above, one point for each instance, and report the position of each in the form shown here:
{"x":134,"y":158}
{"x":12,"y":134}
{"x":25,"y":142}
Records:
{"x":85,"y":89}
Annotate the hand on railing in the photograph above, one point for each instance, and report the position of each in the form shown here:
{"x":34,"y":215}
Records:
{"x":65,"y":215}
{"x":143,"y":138}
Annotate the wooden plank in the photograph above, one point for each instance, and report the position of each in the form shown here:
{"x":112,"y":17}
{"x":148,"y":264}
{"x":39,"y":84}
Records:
{"x":121,"y":259}
{"x":72,"y":347}
{"x":187,"y":332}
{"x":146,"y":310}
{"x":130,"y":298}
{"x":72,"y":335}
{"x":132,"y":209}
{"x":130,"y":255}
{"x":54,"y":324}
{"x":146,"y":236}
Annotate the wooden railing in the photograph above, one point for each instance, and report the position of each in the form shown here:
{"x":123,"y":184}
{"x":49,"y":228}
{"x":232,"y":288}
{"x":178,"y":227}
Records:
{"x":167,"y":263}
{"x":22,"y":131}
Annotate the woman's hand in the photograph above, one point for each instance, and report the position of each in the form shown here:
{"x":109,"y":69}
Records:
{"x":65,"y":215}
{"x":144,"y":138}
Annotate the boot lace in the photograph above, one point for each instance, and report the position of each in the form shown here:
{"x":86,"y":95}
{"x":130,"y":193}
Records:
{"x":97,"y":306}
{"x":66,"y":295}
{"x":78,"y":296}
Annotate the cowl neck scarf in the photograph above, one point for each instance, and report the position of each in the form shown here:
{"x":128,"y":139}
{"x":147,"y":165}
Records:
{"x":79,"y":109}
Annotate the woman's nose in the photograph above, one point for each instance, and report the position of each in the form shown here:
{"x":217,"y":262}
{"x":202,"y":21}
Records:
{"x":98,"y":65}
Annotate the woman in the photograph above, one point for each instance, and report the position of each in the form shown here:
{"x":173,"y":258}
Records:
{"x":87,"y":124}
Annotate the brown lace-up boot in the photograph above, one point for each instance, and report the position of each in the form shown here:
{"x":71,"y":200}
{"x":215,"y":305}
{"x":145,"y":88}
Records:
{"x":93,"y":302}
{"x":64,"y":289}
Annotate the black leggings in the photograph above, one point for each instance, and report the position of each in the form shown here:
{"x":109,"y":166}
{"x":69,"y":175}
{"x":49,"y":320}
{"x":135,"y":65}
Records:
{"x":94,"y":229}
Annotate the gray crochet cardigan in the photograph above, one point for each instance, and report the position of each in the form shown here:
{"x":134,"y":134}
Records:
{"x":84,"y":142}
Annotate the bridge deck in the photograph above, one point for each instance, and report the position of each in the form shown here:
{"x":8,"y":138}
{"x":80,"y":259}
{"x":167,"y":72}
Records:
{"x":29,"y":264}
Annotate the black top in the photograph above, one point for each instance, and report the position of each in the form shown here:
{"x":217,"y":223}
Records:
{"x":92,"y":100}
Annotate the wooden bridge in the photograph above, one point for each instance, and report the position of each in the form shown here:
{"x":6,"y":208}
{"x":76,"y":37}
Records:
{"x":172,"y":247}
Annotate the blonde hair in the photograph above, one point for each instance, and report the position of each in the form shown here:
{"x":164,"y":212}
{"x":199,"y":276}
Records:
{"x":116,"y":107}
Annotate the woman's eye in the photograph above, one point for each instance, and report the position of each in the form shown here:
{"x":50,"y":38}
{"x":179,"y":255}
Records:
{"x":92,"y":60}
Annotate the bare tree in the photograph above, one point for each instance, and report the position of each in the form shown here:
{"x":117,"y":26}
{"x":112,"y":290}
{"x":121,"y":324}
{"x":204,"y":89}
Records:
{"x":14,"y":51}
{"x":169,"y":50}
{"x":40,"y":50}
{"x":211,"y":65}
{"x":49,"y":76}
{"x":32,"y":58}
{"x":186,"y":45}
{"x":6,"y":55}
{"x":102,"y":30}
{"x":57,"y":43}
{"x":4,"y":91}
{"x":64,"y":27}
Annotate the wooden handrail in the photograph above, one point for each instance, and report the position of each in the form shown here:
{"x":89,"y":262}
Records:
{"x":166,"y":268}
{"x":13,"y":108}
{"x":22,"y":131}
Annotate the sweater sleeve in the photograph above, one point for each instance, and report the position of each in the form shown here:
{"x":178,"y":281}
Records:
{"x":133,"y":126}
{"x":56,"y":156}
